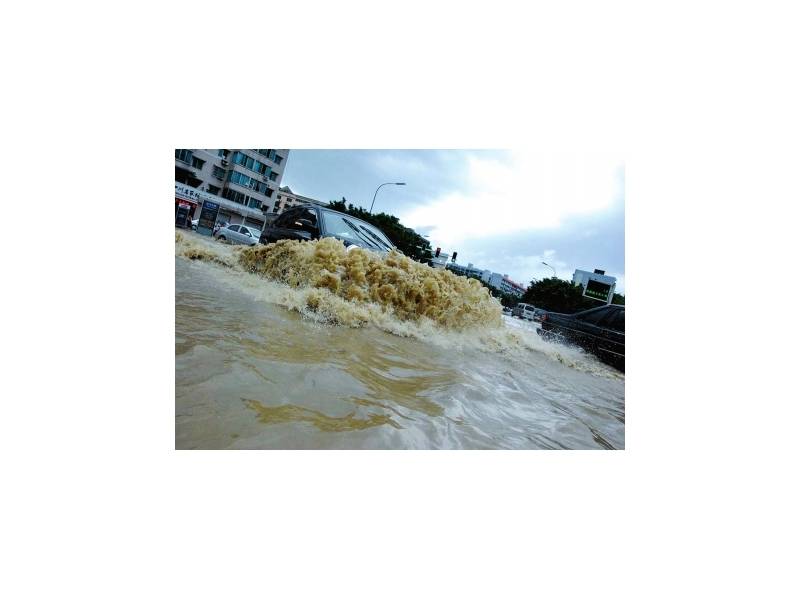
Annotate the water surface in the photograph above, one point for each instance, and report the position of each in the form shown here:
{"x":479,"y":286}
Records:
{"x":253,"y":372}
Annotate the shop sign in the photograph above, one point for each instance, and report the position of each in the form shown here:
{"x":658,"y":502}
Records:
{"x":190,"y":193}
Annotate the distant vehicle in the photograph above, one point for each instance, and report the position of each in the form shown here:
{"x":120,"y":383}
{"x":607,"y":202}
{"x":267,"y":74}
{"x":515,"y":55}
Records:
{"x":309,"y":222}
{"x":238,"y":234}
{"x":600,"y":331}
{"x":506,"y":310}
{"x":524,"y":311}
{"x":194,"y":224}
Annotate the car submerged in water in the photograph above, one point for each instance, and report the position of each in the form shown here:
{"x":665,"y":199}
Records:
{"x":310,"y":222}
{"x":600,"y":331}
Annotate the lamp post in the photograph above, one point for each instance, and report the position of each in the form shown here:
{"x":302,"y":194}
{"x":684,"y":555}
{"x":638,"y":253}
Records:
{"x":552,"y":267}
{"x":376,"y":193}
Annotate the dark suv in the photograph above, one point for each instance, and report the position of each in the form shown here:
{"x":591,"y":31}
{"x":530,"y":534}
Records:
{"x":309,"y":222}
{"x":601,"y":331}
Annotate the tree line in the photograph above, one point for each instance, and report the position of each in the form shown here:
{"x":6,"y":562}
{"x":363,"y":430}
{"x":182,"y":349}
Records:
{"x":559,"y":295}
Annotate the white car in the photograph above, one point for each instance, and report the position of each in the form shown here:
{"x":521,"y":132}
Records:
{"x":238,"y":234}
{"x":524,"y":311}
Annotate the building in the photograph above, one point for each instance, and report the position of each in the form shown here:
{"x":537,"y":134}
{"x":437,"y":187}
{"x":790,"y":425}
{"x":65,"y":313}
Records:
{"x":596,"y":285}
{"x":503,"y":283}
{"x":495,"y":280}
{"x":243,"y":182}
{"x":286,"y":198}
{"x":468,"y":271}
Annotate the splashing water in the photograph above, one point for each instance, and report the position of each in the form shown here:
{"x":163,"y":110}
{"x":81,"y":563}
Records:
{"x":407,"y":289}
{"x":384,"y":352}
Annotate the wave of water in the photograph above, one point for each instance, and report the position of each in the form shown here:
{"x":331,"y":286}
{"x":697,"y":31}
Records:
{"x":262,"y":363}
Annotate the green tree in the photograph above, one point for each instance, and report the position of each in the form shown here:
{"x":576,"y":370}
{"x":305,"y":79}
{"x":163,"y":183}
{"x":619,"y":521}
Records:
{"x":408,"y":241}
{"x":558,"y":295}
{"x":618,"y":299}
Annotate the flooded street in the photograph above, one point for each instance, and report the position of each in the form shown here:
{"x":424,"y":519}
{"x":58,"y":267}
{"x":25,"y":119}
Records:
{"x":255,"y":369}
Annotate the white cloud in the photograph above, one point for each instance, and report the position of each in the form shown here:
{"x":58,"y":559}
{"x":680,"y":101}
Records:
{"x":523,"y":268}
{"x":399,"y":167}
{"x":526,"y":191}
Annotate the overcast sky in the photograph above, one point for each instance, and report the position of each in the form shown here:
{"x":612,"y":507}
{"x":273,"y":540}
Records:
{"x":501,"y":210}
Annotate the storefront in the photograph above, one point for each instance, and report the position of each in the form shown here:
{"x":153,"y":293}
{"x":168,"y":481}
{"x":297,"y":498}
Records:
{"x":219,"y":210}
{"x":184,"y":211}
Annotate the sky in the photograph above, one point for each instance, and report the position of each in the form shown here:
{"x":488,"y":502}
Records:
{"x":503,"y":210}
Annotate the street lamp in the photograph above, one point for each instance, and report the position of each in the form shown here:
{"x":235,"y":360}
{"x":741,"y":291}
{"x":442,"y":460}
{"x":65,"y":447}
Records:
{"x":376,"y":193}
{"x":551,"y":266}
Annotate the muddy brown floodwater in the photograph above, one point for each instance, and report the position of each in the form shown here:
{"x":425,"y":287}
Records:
{"x":330,"y":350}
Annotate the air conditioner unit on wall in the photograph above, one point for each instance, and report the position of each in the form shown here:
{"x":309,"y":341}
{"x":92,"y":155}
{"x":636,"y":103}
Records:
{"x":224,"y":163}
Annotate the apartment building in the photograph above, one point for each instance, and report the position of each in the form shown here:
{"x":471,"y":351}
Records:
{"x":469,"y":271}
{"x":243,"y":182}
{"x":503,"y":283}
{"x":286,"y":198}
{"x":496,"y":280}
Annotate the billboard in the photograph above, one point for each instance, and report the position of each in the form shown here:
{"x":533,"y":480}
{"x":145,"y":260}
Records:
{"x":597,"y":290}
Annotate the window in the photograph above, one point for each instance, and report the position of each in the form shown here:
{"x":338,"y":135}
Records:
{"x":309,"y":215}
{"x":262,"y":168}
{"x":268,"y":193}
{"x":278,"y":159}
{"x":242,"y":159}
{"x":219,"y":173}
{"x":270,"y":154}
{"x":184,"y":155}
{"x":234,"y":228}
{"x":212,"y":189}
{"x":197,"y":163}
{"x":273,"y":176}
{"x":376,"y":235}
{"x":285,"y":218}
{"x":240,"y":178}
{"x":233,"y":195}
{"x":223,"y":153}
{"x":254,"y":203}
{"x":338,"y":225}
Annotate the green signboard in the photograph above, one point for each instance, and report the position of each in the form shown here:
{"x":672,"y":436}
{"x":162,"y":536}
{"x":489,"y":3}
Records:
{"x":597,"y":290}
